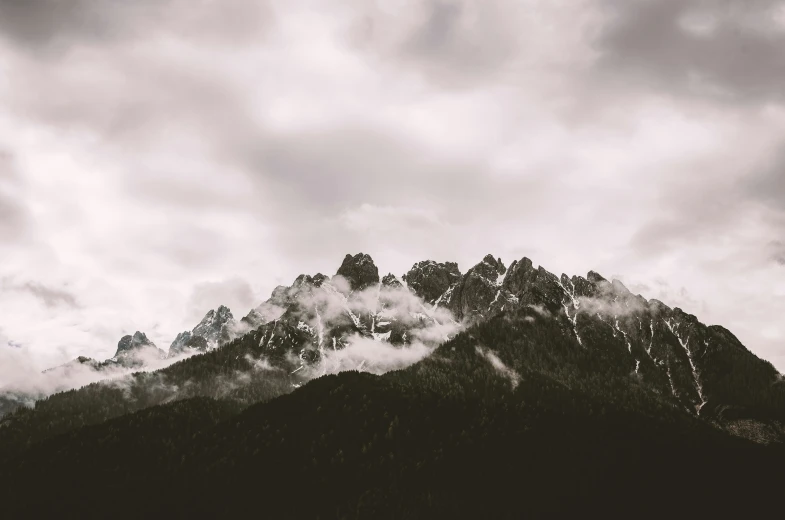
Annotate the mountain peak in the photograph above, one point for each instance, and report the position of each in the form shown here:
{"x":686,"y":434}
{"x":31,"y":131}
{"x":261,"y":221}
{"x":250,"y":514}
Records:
{"x":213,"y":321}
{"x":128,"y":343}
{"x":215,"y":328}
{"x":429,"y":279}
{"x":390,"y":280}
{"x":359,"y":270}
{"x":134,"y":349}
{"x":494,"y":262}
{"x":490,"y":267}
{"x":595,"y":277}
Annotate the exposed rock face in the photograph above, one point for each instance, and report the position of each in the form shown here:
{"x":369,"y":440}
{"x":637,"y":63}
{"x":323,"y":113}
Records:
{"x":180,"y":342}
{"x":213,"y":325}
{"x":137,"y":350}
{"x":216,"y":328}
{"x":197,"y":343}
{"x":430,"y":280}
{"x":390,"y":280}
{"x":319,"y":279}
{"x":533,"y":286}
{"x":479,"y":290}
{"x":129,"y":343}
{"x":360,"y":271}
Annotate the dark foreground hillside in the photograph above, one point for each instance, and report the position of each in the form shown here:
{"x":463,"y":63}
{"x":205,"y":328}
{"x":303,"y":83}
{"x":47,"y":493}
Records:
{"x":500,"y":422}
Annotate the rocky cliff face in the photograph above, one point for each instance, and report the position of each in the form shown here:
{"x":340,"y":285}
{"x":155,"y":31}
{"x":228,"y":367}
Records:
{"x":431,"y":280}
{"x":137,"y":350}
{"x":360,"y":271}
{"x":216,"y":328}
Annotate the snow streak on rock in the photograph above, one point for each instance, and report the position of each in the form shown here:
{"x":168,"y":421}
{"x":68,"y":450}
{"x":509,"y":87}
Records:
{"x":575,"y":304}
{"x":685,"y":345}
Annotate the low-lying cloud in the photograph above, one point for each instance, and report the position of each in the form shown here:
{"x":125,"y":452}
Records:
{"x":21,"y":382}
{"x":499,"y":366}
{"x":368,"y":355}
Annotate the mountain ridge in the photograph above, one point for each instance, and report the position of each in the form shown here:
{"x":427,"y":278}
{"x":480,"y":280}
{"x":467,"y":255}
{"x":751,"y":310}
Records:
{"x":321,"y":325}
{"x":379,"y":401}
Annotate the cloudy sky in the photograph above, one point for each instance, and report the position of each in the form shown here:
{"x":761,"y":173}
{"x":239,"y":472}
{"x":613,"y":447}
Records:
{"x":161,"y":157}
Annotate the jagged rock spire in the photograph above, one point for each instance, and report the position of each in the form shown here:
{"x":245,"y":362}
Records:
{"x":429,"y":279}
{"x":130,"y":343}
{"x":359,"y":270}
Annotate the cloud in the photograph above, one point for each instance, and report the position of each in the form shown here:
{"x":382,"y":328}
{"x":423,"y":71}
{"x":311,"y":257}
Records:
{"x":614,"y":300}
{"x":234,"y":293}
{"x":778,"y":251}
{"x":768,"y":183}
{"x":367,"y":355}
{"x":539,"y":309}
{"x":20,"y":379}
{"x":14,"y":217}
{"x":368,"y":217}
{"x":379,"y":310}
{"x":149,"y":148}
{"x":499,"y":366}
{"x":728,"y":50}
{"x":459,"y":41}
{"x":52,"y":24}
{"x":50,"y":296}
{"x":463,"y":44}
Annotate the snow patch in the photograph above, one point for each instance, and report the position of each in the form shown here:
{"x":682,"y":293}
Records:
{"x":695,"y":376}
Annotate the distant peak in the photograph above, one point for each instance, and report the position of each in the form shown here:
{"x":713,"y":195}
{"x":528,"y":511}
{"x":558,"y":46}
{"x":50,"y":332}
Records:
{"x":495,"y":263}
{"x":390,"y":280}
{"x":221,"y":314}
{"x":595,"y":277}
{"x":319,"y":279}
{"x":359,"y":270}
{"x":130,"y":343}
{"x":490,"y":268}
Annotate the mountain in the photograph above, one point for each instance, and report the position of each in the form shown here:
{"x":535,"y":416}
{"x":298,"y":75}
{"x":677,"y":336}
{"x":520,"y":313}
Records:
{"x":216,"y":328}
{"x":133,"y":352}
{"x":75,"y":364}
{"x":137,"y":350}
{"x":587,"y":393}
{"x":360,"y":271}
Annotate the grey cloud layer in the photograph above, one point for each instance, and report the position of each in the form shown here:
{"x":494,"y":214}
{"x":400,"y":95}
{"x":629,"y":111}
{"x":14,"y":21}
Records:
{"x":728,"y":49}
{"x":49,"y":24}
{"x":768,"y":184}
{"x":171,"y":156}
{"x":13,"y":215}
{"x":50,"y":296}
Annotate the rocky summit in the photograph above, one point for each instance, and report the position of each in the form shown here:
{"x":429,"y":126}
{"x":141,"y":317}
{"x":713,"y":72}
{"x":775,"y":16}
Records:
{"x":216,"y":328}
{"x":359,"y":270}
{"x":430,"y":280}
{"x":137,"y":350}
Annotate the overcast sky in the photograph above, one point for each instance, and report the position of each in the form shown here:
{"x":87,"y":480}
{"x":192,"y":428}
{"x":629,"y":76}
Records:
{"x":161,"y":157}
